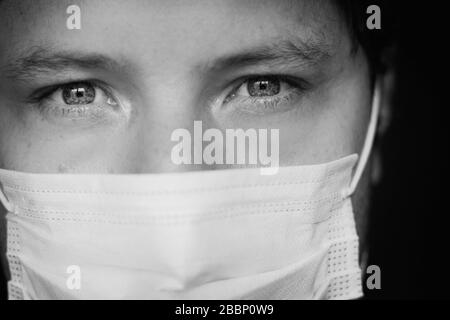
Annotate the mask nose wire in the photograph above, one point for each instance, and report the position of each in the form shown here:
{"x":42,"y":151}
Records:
{"x":368,"y":142}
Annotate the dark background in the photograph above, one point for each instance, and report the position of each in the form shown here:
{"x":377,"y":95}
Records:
{"x":410,"y":225}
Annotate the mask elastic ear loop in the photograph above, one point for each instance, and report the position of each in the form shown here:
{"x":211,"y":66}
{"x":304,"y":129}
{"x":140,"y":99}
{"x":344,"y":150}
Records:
{"x":368,"y":143}
{"x":4,"y":200}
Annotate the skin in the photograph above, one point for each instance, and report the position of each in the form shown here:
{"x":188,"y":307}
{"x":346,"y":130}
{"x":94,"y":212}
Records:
{"x":168,"y":75}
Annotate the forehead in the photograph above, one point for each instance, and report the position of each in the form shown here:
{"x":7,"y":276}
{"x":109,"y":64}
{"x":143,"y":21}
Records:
{"x":176,"y":30}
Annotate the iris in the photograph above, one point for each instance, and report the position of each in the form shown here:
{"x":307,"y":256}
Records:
{"x":78,"y":93}
{"x":262,"y":87}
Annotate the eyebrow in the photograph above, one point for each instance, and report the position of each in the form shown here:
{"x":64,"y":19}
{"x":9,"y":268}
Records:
{"x":292,"y":53}
{"x":41,"y":60}
{"x":296,"y":52}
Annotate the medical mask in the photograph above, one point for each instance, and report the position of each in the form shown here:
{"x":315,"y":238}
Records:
{"x":220,"y":234}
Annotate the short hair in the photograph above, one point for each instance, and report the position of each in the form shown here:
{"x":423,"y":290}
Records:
{"x":379,"y":45}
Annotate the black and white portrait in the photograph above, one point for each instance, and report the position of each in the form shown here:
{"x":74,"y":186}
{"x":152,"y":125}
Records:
{"x":221,"y":150}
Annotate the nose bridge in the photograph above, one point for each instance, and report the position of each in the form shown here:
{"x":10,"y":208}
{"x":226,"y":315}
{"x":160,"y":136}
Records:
{"x":169,"y":105}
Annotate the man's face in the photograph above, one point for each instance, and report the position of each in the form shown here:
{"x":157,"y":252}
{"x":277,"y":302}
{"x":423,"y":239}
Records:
{"x":106,"y":98}
{"x":146,"y":68}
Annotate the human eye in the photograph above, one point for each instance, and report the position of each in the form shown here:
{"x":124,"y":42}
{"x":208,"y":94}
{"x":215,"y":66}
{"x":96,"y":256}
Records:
{"x":265,"y":94}
{"x":76,"y":102}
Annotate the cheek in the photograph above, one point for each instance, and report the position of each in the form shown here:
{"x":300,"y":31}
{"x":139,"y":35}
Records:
{"x":336,"y":131}
{"x":35,"y":147}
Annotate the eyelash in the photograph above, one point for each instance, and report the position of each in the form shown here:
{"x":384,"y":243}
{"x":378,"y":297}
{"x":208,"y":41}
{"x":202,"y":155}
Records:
{"x":270,"y":103}
{"x":41,"y":94}
{"x":51,"y":104}
{"x":247,"y":104}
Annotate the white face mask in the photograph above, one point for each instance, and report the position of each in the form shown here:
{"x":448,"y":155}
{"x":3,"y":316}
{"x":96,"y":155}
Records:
{"x":226,"y":234}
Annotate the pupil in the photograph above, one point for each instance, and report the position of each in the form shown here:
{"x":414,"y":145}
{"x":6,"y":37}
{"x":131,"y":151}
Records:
{"x":263,"y":87}
{"x":78,"y":93}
